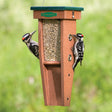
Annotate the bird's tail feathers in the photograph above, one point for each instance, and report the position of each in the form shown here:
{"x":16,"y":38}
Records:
{"x":80,"y":62}
{"x":75,"y":64}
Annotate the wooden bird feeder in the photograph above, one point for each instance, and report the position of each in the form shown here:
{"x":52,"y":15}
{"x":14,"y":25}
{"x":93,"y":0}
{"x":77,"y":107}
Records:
{"x":55,"y":24}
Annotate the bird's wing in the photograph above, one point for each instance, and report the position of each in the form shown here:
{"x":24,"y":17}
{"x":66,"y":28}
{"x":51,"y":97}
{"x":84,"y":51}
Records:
{"x":75,"y":49}
{"x":80,"y":46}
{"x":34,"y":42}
{"x":35,"y":50}
{"x":75,"y":63}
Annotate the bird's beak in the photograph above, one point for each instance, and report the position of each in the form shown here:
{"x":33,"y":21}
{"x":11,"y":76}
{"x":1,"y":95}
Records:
{"x":32,"y":33}
{"x":76,"y":36}
{"x":73,"y":36}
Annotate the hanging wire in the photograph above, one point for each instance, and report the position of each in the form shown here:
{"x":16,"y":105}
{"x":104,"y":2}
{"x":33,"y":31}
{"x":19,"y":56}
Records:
{"x":71,"y":3}
{"x":43,"y":2}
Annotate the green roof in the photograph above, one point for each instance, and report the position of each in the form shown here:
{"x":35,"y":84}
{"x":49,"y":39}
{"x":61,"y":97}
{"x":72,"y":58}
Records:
{"x":56,"y":8}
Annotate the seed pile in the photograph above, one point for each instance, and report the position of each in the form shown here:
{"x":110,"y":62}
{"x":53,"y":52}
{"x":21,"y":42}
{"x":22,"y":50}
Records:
{"x":51,"y":36}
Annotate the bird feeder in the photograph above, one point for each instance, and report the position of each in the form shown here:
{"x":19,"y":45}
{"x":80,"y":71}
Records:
{"x":55,"y":24}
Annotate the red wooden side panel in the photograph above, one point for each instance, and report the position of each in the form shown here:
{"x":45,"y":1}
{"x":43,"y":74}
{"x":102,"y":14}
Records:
{"x":41,"y":57}
{"x":67,"y":27}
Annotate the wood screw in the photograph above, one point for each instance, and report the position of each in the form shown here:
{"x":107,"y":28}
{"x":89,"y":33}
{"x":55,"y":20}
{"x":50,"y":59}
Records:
{"x":69,"y":57}
{"x":70,"y":37}
{"x":73,"y":14}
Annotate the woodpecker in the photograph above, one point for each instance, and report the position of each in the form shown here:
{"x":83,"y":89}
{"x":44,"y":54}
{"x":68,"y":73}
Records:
{"x":78,"y":49}
{"x":32,"y":45}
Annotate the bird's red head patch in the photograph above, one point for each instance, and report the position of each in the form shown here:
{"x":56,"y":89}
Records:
{"x":82,"y":35}
{"x":23,"y":38}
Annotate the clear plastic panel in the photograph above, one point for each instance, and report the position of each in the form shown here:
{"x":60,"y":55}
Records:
{"x":51,"y":37}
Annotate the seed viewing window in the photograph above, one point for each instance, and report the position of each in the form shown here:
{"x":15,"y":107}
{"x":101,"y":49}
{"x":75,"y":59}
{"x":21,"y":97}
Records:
{"x":51,"y":36}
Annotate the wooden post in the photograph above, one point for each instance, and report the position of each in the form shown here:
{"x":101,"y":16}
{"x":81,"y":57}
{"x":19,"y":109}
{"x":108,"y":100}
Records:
{"x":55,"y":24}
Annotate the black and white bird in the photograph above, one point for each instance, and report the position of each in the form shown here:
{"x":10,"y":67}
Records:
{"x":78,"y":49}
{"x":32,"y":45}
